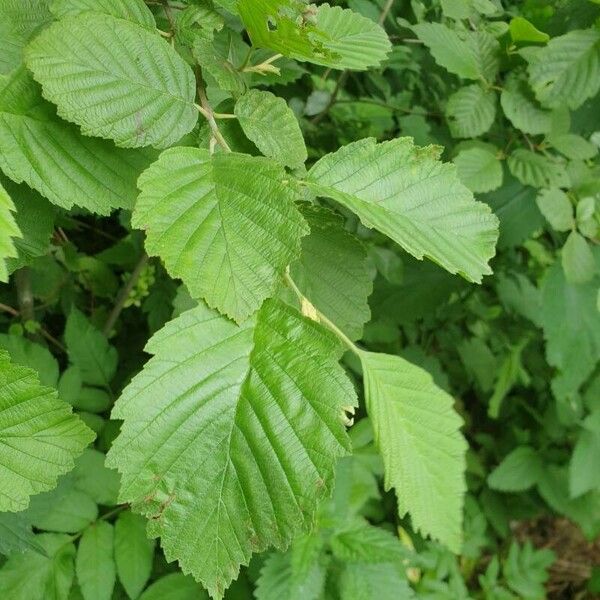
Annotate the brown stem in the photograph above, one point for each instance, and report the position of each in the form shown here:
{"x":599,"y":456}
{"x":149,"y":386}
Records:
{"x":208,"y":113}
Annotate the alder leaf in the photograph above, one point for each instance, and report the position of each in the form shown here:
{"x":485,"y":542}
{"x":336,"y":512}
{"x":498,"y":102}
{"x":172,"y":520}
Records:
{"x":324,"y":35}
{"x":522,"y":109}
{"x":537,"y":170}
{"x":332,"y":271}
{"x":409,"y":195}
{"x":234,"y":457}
{"x":269,"y":122}
{"x":226,"y":224}
{"x":53,"y":157}
{"x":417,"y":432}
{"x":39,"y":436}
{"x":567,"y":70}
{"x":131,"y":10}
{"x":471,"y":111}
{"x":115,"y":79}
{"x":479,"y":168}
{"x":8,"y":230}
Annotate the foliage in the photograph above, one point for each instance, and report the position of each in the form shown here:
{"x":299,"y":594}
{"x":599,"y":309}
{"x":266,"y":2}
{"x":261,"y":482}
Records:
{"x":298,"y":301}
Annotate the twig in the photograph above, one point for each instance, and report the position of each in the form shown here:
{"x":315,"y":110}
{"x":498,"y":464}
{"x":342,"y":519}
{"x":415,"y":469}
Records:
{"x":9,"y":309}
{"x":207,"y":111}
{"x":124,"y":294}
{"x":332,"y":100}
{"x":24,"y":294}
{"x":386,"y":11}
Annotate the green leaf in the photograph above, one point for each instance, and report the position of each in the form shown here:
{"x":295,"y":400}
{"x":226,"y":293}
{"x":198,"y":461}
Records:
{"x":409,"y":195}
{"x":175,"y":586}
{"x":244,"y":432}
{"x":537,"y":170}
{"x":360,"y":542}
{"x":522,"y":109}
{"x":130,"y":10}
{"x":521,"y":30}
{"x":29,"y":354}
{"x":384,"y":581}
{"x":573,"y":146}
{"x":566,"y":70}
{"x":39,"y":436}
{"x":272,"y":126}
{"x":89,"y":350}
{"x":95,"y":565}
{"x":115,"y":79}
{"x":571,"y":329}
{"x":299,"y":574}
{"x":96,"y":480}
{"x":324,"y":35}
{"x":417,"y":433}
{"x":332,"y":271}
{"x":470,"y":56}
{"x":518,"y":471}
{"x":52,"y":156}
{"x":8,"y":230}
{"x":526,"y":570}
{"x":34,"y":576}
{"x":226,"y":224}
{"x":582,"y":476}
{"x":556,"y":207}
{"x":19,"y":20}
{"x":16,"y":535}
{"x":134,"y":552}
{"x":479,"y":169}
{"x":577,"y":259}
{"x":471,"y":111}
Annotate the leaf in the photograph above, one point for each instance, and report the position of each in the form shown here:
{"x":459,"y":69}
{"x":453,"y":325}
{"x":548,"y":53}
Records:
{"x":521,"y":30}
{"x":536,"y":170}
{"x":324,"y":35}
{"x":131,"y":10}
{"x":571,"y":329}
{"x":96,"y":480}
{"x":52,"y":157}
{"x":384,"y":581}
{"x":567,"y":70}
{"x":583,"y":477}
{"x":89,"y":350}
{"x":299,"y":574}
{"x":8,"y":230}
{"x":34,"y":576}
{"x":115,"y":79}
{"x":16,"y":535}
{"x":29,"y":354}
{"x":479,"y":169}
{"x":519,"y":470}
{"x":526,"y":570}
{"x":522,"y":109}
{"x":19,"y":20}
{"x":417,"y":433}
{"x":470,"y":56}
{"x":332,"y":271}
{"x":409,"y":195}
{"x":226,"y":224}
{"x":573,"y":146}
{"x":235,"y":458}
{"x":95,"y":565}
{"x":134,"y":552}
{"x":39,"y":436}
{"x":175,"y":586}
{"x":272,"y":126}
{"x":577,"y":259}
{"x":470,"y":111}
{"x":556,"y":207}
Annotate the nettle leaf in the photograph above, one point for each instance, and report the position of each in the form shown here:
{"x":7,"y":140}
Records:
{"x":332,"y":271}
{"x":95,"y":565}
{"x":115,"y":79}
{"x":409,"y":195}
{"x":33,"y":575}
{"x":29,"y":354}
{"x":53,"y":157}
{"x":518,"y":471}
{"x":8,"y":230}
{"x":570,"y":323}
{"x":537,"y":170}
{"x":269,"y":122}
{"x":39,"y":436}
{"x":134,"y":552}
{"x":479,"y":168}
{"x":582,"y":478}
{"x":471,"y":111}
{"x":236,"y":456}
{"x":472,"y":55}
{"x":324,"y":35}
{"x":567,"y":70}
{"x":130,"y":10}
{"x":226,"y":224}
{"x":418,"y":435}
{"x":19,"y":20}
